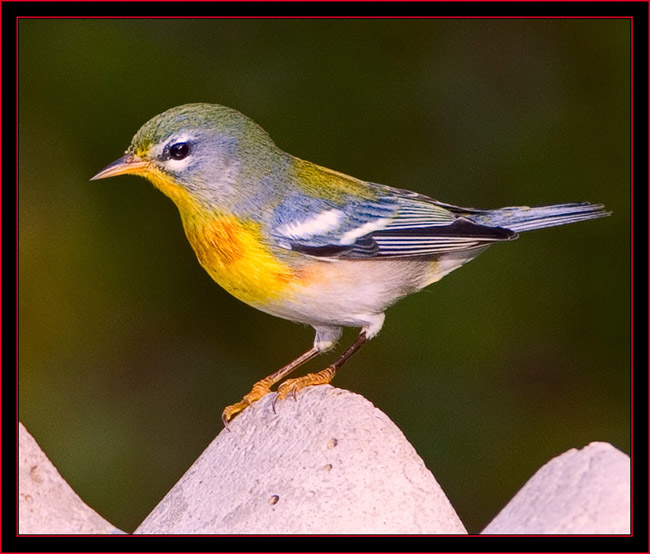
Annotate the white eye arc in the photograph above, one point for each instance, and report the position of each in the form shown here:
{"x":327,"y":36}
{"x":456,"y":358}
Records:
{"x":177,"y":153}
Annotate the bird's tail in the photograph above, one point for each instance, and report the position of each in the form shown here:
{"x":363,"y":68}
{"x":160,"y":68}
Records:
{"x":524,"y":218}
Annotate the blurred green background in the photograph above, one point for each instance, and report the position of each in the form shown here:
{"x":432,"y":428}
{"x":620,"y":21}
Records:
{"x":129,"y":352}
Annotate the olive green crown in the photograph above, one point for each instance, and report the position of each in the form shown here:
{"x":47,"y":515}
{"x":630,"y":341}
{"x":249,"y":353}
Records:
{"x":211,"y":118}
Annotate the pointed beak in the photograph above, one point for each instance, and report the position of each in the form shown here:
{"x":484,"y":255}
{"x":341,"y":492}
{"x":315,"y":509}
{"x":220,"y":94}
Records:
{"x":129,"y":163}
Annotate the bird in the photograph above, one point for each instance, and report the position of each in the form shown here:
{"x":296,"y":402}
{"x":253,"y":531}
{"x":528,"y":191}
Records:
{"x":305,"y":243}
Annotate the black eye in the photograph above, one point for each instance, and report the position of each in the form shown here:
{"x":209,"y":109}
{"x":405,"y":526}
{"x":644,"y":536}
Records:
{"x":179,"y":151}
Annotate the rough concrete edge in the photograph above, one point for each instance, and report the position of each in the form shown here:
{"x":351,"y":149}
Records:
{"x":582,"y":491}
{"x":47,"y":504}
{"x":262,"y":430}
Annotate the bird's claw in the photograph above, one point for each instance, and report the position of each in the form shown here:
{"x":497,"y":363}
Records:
{"x":259,"y":390}
{"x":291,"y":386}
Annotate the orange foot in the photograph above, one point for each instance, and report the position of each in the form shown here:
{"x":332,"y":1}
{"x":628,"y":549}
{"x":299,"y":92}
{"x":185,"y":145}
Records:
{"x":292,"y":386}
{"x":260,"y":389}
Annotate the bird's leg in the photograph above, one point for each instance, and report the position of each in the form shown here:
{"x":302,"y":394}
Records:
{"x":263,"y":387}
{"x":292,"y":386}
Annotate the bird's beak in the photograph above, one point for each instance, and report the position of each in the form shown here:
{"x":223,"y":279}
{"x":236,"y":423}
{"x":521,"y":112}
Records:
{"x":129,"y":163}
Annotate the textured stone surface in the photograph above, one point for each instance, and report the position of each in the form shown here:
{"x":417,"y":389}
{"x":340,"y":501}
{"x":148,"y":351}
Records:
{"x":583,"y":491}
{"x":327,"y":463}
{"x":46,"y":503}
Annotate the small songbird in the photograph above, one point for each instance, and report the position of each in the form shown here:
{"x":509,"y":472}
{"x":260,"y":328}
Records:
{"x":305,"y":243}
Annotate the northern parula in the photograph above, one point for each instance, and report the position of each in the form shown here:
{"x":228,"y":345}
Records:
{"x":305,"y":243}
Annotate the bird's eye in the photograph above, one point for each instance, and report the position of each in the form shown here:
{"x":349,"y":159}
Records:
{"x":179,"y":151}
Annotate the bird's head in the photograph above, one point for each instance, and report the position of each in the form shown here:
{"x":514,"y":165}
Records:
{"x":202,"y":152}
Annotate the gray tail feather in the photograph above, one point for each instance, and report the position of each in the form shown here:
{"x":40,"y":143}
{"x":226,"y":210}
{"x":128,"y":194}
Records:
{"x":524,"y":218}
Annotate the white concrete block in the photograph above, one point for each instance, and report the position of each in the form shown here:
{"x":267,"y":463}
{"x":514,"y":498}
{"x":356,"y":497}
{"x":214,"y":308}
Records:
{"x":327,"y":463}
{"x":46,"y":503}
{"x":583,"y":491}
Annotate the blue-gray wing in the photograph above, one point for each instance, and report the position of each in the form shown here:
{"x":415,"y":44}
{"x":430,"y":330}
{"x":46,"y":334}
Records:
{"x":398,"y":224}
